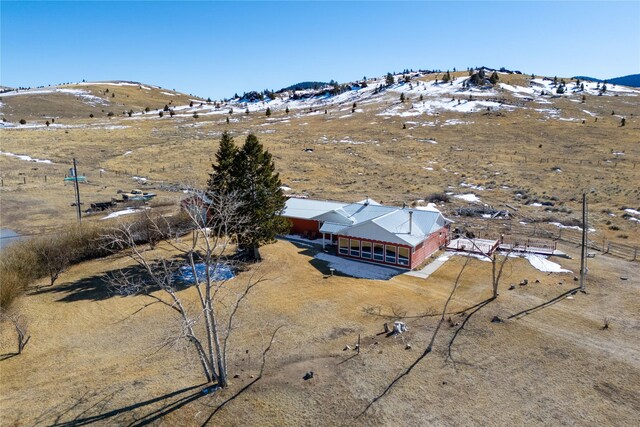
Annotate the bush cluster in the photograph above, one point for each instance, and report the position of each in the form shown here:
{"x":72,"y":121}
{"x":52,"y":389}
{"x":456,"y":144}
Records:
{"x":26,"y":261}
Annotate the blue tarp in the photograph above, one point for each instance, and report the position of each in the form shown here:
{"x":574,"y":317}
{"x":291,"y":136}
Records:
{"x":218,"y":272}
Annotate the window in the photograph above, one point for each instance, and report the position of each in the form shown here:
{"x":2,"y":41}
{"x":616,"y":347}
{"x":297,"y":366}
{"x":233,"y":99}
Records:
{"x":403,"y":256}
{"x":366,"y":250}
{"x":355,"y":247}
{"x":390,"y":254}
{"x":343,"y":246}
{"x":378,"y":252}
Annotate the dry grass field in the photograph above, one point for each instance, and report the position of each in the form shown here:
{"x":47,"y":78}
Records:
{"x":90,"y":361}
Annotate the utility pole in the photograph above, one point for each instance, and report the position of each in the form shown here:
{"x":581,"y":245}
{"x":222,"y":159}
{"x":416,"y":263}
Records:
{"x":583,"y":254}
{"x":75,"y":180}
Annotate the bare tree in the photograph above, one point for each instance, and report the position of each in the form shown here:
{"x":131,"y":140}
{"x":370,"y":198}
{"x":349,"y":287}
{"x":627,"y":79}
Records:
{"x":21,"y":327}
{"x":205,"y":253}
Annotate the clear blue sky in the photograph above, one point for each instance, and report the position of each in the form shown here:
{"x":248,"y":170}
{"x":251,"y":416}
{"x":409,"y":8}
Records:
{"x":218,"y":48}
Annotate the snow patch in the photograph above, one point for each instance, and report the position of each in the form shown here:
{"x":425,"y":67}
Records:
{"x":541,"y":263}
{"x":116,"y":214}
{"x":470,"y":197}
{"x":26,"y":158}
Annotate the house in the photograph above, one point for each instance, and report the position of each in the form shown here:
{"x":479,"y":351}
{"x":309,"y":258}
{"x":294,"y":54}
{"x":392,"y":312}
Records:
{"x":369,"y":231}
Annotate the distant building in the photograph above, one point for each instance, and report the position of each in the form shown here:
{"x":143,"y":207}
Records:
{"x":369,"y":231}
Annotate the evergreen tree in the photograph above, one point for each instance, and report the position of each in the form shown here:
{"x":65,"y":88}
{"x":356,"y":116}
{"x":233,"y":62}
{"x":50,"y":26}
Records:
{"x":494,"y":78}
{"x":221,"y":179}
{"x":447,"y":77}
{"x":258,"y":185}
{"x":389,"y":80}
{"x":287,"y":110}
{"x":268,"y":113}
{"x":402,"y":98}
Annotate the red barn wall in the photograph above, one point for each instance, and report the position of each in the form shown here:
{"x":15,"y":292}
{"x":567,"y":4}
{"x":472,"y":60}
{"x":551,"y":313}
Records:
{"x":304,"y":226}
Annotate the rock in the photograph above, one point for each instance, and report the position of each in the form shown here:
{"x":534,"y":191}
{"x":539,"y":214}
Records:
{"x":496,"y":319}
{"x":357,"y":347}
{"x":525,"y":282}
{"x":512,"y":287}
{"x":624,"y":278}
{"x":346,"y":348}
{"x":444,"y":383}
{"x":537,"y":281}
{"x":407,"y":347}
{"x":575,"y":278}
{"x":236,"y":376}
{"x":251,"y":376}
{"x":308,"y":376}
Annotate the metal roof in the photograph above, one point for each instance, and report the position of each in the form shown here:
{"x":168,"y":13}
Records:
{"x":369,"y":220}
{"x":309,"y":208}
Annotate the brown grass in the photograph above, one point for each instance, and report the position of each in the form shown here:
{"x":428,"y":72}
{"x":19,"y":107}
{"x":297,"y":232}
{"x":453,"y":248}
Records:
{"x":529,"y":370}
{"x":555,"y":366}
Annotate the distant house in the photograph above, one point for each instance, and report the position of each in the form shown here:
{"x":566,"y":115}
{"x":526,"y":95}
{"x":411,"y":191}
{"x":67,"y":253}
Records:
{"x":369,"y":231}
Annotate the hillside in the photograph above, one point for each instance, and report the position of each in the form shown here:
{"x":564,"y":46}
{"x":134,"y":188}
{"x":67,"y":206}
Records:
{"x":525,"y":145}
{"x":632,"y":80}
{"x":83,"y":100}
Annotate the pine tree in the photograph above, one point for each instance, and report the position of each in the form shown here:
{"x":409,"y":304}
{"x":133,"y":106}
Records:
{"x":447,"y":77}
{"x":268,"y":113}
{"x":402,"y":98}
{"x":258,"y":185}
{"x":287,"y":110}
{"x":494,"y":78}
{"x":221,"y":180}
{"x":389,"y":80}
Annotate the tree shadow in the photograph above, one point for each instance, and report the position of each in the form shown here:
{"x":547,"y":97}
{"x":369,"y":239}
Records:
{"x":94,"y":288}
{"x":169,"y":404}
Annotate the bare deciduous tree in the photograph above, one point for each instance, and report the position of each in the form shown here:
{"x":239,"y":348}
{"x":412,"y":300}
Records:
{"x":21,"y":327}
{"x":204,"y":253}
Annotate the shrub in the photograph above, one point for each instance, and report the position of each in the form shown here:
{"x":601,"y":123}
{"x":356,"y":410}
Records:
{"x":23,"y":122}
{"x":438,"y":197}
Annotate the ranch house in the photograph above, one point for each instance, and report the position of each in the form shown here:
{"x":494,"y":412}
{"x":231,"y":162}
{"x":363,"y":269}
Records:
{"x":369,"y":231}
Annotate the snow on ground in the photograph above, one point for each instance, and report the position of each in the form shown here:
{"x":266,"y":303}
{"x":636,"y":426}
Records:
{"x":116,"y":214}
{"x":632,"y":211}
{"x":85,"y":95}
{"x":541,"y":263}
{"x":26,"y":158}
{"x":470,"y":197}
{"x":285,"y":188}
{"x":571,"y":227}
{"x":359,"y":269}
{"x":472,"y":186}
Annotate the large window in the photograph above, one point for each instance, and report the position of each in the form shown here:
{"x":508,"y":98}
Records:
{"x":343,"y":246}
{"x":355,"y":247}
{"x":390,"y":254}
{"x":378,"y":252}
{"x":403,"y":256}
{"x":366,"y":250}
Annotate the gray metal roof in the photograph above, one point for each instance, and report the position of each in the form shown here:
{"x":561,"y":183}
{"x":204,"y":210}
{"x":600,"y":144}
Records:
{"x":369,"y":220}
{"x":309,"y":208}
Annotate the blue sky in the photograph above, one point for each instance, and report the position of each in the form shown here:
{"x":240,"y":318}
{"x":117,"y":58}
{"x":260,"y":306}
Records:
{"x":218,"y":48}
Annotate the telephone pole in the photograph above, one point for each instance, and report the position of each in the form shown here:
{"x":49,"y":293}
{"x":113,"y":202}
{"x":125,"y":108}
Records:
{"x":75,"y":180}
{"x":583,"y":254}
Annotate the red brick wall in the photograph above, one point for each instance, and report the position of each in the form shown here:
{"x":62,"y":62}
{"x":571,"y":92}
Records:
{"x":429,"y":246}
